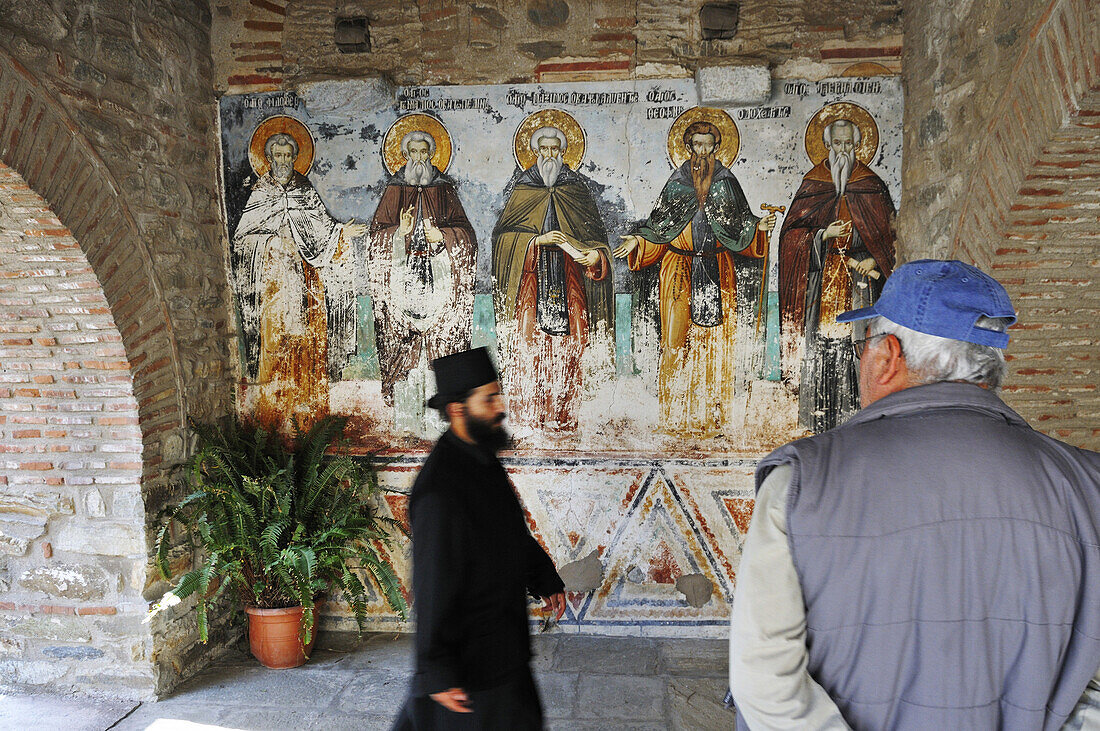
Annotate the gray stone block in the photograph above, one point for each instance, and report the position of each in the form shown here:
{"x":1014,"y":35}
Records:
{"x":620,"y":697}
{"x":50,"y":713}
{"x":696,"y":703}
{"x":721,"y":86}
{"x":69,"y":581}
{"x":699,"y":658}
{"x":605,"y":655}
{"x":559,"y":693}
{"x":65,"y":652}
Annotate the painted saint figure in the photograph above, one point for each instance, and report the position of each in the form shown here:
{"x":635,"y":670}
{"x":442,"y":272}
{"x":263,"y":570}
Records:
{"x":710,"y":249}
{"x":552,"y":267}
{"x":836,"y":249}
{"x":293,"y":274}
{"x":423,"y":250}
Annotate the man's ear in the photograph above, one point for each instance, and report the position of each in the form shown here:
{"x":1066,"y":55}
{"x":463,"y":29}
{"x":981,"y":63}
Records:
{"x":456,"y":408}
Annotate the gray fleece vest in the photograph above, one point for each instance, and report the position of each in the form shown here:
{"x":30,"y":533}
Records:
{"x":949,"y":558}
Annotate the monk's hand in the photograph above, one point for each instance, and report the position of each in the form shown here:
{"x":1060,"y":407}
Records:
{"x":453,"y":699}
{"x":555,"y":603}
{"x":866,"y":266}
{"x":353,"y":230}
{"x":767,"y":223}
{"x":629,"y":244}
{"x":432,"y":234}
{"x":551,"y":238}
{"x":408,"y":219}
{"x":836,"y":229}
{"x":588,"y":258}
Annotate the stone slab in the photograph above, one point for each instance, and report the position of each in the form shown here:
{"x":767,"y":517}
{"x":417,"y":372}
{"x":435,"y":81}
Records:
{"x":635,"y":698}
{"x":605,"y":655}
{"x":51,"y":713}
{"x":733,"y":85}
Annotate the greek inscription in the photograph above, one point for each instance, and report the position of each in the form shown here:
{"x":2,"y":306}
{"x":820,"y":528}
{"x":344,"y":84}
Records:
{"x":764,"y":113}
{"x":664,"y":112}
{"x":840,"y":88}
{"x":540,"y":98}
{"x":661,"y":96}
{"x":795,"y":87}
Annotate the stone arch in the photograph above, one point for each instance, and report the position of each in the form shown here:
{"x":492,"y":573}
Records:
{"x":44,"y":145}
{"x":72,"y":517}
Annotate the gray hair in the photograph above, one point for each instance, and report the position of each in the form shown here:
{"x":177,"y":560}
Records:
{"x":827,"y":135}
{"x":932,"y":359}
{"x":548,"y":132}
{"x":282,"y":139}
{"x":417,"y":136}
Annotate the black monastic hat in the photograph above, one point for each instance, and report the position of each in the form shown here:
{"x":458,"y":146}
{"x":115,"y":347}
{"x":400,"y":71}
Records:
{"x":459,"y":373}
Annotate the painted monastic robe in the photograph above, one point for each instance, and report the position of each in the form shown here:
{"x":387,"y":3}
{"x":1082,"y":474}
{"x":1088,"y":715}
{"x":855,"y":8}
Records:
{"x":422,"y":292}
{"x":816,"y":283}
{"x":711,"y":278}
{"x":293,"y":273}
{"x":554,"y":302}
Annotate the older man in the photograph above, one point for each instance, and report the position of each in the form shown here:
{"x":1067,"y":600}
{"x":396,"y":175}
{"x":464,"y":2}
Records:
{"x":934,"y":563}
{"x":423,"y":251}
{"x":836,"y":249}
{"x":293,"y":270}
{"x":552,"y":267}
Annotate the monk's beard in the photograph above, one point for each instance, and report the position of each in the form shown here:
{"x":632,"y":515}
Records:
{"x":549,"y":167}
{"x":418,"y":173}
{"x":840,"y":164}
{"x":702,"y":171}
{"x":282,"y":172}
{"x":490,"y":435}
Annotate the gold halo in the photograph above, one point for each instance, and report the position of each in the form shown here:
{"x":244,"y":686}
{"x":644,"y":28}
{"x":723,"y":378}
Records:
{"x":731,"y":138}
{"x":391,"y":145}
{"x":857,"y":115}
{"x":275,"y":125}
{"x":574,"y":137}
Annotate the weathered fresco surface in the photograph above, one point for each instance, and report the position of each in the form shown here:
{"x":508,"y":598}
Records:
{"x":659,"y":282}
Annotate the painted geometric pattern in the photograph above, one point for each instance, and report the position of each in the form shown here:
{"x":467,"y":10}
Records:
{"x":649,"y":522}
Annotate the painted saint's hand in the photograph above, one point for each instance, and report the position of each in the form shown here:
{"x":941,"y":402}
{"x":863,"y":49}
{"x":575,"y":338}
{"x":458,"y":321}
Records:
{"x":588,"y":258}
{"x":866,"y":266}
{"x":836,"y":229}
{"x":629,"y":244}
{"x":433,"y":234}
{"x":767,"y":223}
{"x":408,"y":219}
{"x":551,"y":238}
{"x":454,"y":700}
{"x":353,"y":230}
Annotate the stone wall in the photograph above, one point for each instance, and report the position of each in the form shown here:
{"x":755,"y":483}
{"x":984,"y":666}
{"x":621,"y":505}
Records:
{"x":106,"y":111}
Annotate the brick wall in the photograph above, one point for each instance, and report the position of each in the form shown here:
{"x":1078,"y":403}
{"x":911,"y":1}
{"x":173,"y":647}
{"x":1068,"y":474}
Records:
{"x":1001,"y":169}
{"x":72,"y":544}
{"x":106,"y":111}
{"x":275,"y":44}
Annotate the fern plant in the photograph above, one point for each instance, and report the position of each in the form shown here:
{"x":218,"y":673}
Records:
{"x":280,"y":523}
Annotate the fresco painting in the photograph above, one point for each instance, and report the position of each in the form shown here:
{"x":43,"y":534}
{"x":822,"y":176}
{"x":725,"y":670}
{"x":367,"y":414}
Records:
{"x":836,"y":249}
{"x":421,"y":262}
{"x":654,"y":274}
{"x":552,"y":274}
{"x":293,"y":273}
{"x":710,"y":248}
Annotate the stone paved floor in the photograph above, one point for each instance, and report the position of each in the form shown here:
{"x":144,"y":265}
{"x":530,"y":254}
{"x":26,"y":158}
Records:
{"x":587,"y":683}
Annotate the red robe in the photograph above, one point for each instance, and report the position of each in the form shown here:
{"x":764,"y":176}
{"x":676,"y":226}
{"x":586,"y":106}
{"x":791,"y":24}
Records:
{"x":815,"y":206}
{"x":399,"y":345}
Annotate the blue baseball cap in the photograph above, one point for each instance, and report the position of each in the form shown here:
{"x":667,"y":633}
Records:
{"x":943,"y":298}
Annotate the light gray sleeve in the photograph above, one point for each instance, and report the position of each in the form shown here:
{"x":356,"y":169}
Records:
{"x":1087,"y":713}
{"x":768,"y":658}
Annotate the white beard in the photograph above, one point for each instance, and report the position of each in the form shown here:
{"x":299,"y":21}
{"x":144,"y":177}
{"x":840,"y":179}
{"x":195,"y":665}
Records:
{"x":549,"y":167}
{"x":840,"y":163}
{"x":282,"y":172}
{"x":418,"y":173}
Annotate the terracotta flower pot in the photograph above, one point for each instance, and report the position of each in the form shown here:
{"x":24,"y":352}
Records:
{"x":273,"y":636}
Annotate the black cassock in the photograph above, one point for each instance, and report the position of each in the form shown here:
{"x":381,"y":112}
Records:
{"x":474,"y":563}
